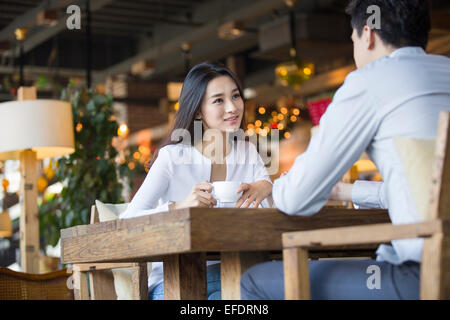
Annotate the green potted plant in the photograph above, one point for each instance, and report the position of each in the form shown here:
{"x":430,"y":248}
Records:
{"x":91,"y":172}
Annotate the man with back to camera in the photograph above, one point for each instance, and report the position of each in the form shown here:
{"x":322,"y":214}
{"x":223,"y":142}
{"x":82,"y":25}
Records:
{"x":397,"y":90}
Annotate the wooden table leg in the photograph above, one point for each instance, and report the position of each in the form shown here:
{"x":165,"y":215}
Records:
{"x":185,"y":277}
{"x":233,"y":264}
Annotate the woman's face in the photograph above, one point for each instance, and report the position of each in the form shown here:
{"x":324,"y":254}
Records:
{"x":222,"y":107}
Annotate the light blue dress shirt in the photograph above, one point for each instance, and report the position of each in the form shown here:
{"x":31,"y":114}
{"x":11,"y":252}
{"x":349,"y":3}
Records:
{"x":397,"y":95}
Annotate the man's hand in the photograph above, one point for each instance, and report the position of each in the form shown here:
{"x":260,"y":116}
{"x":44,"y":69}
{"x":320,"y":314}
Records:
{"x":254,"y":192}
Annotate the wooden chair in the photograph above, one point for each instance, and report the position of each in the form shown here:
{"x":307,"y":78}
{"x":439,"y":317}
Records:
{"x":435,"y":271}
{"x":96,"y":282}
{"x":26,"y":286}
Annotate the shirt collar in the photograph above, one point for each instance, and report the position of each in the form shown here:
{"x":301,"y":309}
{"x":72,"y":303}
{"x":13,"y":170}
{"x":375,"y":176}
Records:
{"x":407,"y":51}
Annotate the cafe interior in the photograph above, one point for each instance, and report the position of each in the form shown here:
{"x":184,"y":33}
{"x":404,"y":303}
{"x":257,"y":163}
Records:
{"x":115,"y":70}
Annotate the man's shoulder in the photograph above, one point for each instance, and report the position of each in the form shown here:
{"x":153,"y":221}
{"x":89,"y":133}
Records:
{"x":402,"y":63}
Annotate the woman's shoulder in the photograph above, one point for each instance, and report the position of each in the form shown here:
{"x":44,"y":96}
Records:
{"x":173,"y":148}
{"x":179,"y":153}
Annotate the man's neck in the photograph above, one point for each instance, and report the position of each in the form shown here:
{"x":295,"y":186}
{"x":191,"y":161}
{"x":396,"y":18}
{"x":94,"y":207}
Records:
{"x":383,"y":51}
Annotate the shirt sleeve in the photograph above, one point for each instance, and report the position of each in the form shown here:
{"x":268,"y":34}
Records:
{"x":154,"y":186}
{"x":345,"y":131}
{"x":369,"y":194}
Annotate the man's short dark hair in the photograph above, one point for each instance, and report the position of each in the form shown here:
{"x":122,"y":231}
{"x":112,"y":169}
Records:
{"x":403,"y":22}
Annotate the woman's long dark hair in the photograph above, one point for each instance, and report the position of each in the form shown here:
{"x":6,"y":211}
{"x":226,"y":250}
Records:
{"x":191,"y":98}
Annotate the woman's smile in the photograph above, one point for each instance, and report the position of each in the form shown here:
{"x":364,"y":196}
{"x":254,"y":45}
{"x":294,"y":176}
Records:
{"x":232,"y":120}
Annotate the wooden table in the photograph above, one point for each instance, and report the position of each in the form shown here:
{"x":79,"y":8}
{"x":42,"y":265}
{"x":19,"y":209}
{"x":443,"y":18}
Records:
{"x":184,"y":239}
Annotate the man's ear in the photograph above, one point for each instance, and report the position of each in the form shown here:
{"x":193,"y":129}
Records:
{"x":368,"y":37}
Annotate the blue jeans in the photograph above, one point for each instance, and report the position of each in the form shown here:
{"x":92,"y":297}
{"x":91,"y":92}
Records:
{"x":213,"y":285}
{"x":338,"y":280}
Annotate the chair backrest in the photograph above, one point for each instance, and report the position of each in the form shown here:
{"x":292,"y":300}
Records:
{"x":25,"y":286}
{"x":439,"y":207}
{"x":101,"y":282}
{"x":116,"y":283}
{"x":423,"y":159}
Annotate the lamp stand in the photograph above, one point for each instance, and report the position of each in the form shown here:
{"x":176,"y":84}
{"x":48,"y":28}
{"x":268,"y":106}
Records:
{"x":29,"y":216}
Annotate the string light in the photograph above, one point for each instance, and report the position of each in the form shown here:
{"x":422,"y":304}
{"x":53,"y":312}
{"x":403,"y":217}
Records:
{"x":296,"y":111}
{"x":307,"y":71}
{"x":293,"y":118}
{"x":284,"y":110}
{"x":144,"y":150}
{"x":280,"y":117}
{"x":258,"y":123}
{"x":262,"y":110}
{"x":287,"y":135}
{"x":20,"y":33}
{"x":123,"y":130}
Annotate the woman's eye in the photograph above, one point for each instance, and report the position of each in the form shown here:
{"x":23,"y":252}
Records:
{"x":220,"y":100}
{"x":236,"y":96}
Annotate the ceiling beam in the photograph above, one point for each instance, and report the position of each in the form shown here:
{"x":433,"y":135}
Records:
{"x":28,"y":18}
{"x":29,"y":70}
{"x":211,"y":50}
{"x":209,"y":30}
{"x":44,"y":34}
{"x":143,"y":18}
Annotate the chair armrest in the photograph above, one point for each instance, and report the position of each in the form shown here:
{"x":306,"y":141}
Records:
{"x":366,"y":234}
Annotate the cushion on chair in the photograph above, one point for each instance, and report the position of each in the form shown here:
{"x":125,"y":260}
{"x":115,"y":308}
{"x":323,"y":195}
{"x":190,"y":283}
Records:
{"x":122,"y":276}
{"x":108,"y":211}
{"x":417,"y":158}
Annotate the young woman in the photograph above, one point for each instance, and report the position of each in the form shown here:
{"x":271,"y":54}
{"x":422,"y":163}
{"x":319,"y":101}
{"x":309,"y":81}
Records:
{"x":204,"y":146}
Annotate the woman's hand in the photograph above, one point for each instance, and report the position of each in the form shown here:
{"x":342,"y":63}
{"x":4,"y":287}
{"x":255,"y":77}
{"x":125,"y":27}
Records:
{"x":200,"y":196}
{"x":254,"y":192}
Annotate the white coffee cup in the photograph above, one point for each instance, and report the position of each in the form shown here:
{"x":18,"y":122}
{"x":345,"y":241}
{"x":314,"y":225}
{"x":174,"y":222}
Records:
{"x":225,"y":191}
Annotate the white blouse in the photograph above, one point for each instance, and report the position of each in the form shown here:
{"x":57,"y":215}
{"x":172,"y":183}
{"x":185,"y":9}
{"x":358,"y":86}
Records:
{"x":177,"y":169}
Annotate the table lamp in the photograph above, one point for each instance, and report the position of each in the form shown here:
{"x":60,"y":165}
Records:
{"x":32,"y":129}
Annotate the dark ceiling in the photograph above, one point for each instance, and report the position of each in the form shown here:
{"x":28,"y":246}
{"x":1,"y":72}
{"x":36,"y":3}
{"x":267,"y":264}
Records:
{"x":126,"y":32}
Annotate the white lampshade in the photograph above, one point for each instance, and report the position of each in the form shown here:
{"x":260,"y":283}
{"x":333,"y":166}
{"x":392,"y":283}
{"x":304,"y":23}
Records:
{"x":45,"y":126}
